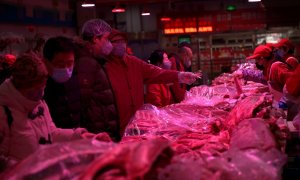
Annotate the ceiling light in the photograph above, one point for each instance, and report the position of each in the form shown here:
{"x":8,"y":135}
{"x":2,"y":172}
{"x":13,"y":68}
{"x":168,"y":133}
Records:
{"x":145,"y":14}
{"x":254,"y":0}
{"x":87,"y":4}
{"x":118,"y":9}
{"x":145,"y":11}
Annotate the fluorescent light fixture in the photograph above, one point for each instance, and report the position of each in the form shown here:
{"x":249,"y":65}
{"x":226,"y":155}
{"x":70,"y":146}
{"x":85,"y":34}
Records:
{"x":145,"y":14}
{"x":254,"y":0}
{"x":87,"y":4}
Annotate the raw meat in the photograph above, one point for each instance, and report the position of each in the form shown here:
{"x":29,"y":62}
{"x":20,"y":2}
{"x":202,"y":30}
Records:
{"x":247,"y":108}
{"x":139,"y":160}
{"x":252,"y":134}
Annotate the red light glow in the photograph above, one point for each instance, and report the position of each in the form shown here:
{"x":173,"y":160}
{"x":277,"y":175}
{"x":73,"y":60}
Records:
{"x":118,"y":10}
{"x":165,"y":19}
{"x":205,"y":29}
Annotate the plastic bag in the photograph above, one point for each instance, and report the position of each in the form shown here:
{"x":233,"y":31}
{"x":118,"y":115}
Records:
{"x":255,"y":164}
{"x":59,"y":160}
{"x":211,"y":96}
{"x":174,"y":120}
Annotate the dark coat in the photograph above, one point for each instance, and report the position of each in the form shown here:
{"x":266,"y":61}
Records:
{"x":98,"y":102}
{"x":63,"y":100}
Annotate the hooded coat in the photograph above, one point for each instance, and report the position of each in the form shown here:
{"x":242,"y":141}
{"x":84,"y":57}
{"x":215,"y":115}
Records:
{"x":22,"y":137}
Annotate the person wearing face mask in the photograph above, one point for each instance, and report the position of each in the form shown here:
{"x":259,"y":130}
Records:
{"x":270,"y":72}
{"x":159,"y":94}
{"x":263,"y":59}
{"x":181,"y":62}
{"x":128,"y":74}
{"x":292,"y":94}
{"x":284,"y":52}
{"x":280,"y":71}
{"x":25,"y":121}
{"x":62,"y":93}
{"x":187,"y":55}
{"x":98,"y":104}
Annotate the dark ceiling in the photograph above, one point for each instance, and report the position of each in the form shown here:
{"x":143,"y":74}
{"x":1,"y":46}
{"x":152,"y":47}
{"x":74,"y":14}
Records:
{"x":268,"y":3}
{"x":278,"y":12}
{"x":110,"y":2}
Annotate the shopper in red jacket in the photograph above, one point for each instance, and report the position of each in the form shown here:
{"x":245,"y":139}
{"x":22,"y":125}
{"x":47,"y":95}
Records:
{"x":284,"y":51}
{"x":159,"y":94}
{"x":128,"y":74}
{"x":180,"y":62}
{"x":293,"y":83}
{"x":275,"y":72}
{"x":284,"y":64}
{"x":292,"y":94}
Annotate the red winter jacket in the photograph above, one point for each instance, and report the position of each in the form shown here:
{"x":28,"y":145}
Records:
{"x":292,"y":61}
{"x":293,"y":83}
{"x":127,"y":77}
{"x":158,"y":95}
{"x":279,"y":72}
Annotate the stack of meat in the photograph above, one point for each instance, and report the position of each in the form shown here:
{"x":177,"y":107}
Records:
{"x":226,"y":131}
{"x":176,"y":120}
{"x":219,"y":131}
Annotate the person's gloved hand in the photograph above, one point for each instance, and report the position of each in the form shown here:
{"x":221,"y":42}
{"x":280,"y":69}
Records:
{"x":100,"y":136}
{"x":188,"y":77}
{"x":238,"y":74}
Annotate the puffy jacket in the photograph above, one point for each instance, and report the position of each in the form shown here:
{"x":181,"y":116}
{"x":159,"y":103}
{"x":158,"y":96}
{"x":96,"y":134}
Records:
{"x":63,"y":100}
{"x":22,"y":137}
{"x":99,"y":109}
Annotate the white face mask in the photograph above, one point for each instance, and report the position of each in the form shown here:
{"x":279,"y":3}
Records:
{"x":279,"y":54}
{"x":62,"y":75}
{"x":166,"y":65}
{"x":119,"y":50}
{"x":106,"y":48}
{"x":187,"y":63}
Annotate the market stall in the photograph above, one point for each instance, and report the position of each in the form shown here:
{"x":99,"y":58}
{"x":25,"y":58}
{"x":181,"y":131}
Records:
{"x":225,"y":131}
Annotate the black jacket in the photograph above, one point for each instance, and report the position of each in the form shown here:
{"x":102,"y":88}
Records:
{"x":98,"y":102}
{"x":63,"y":100}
